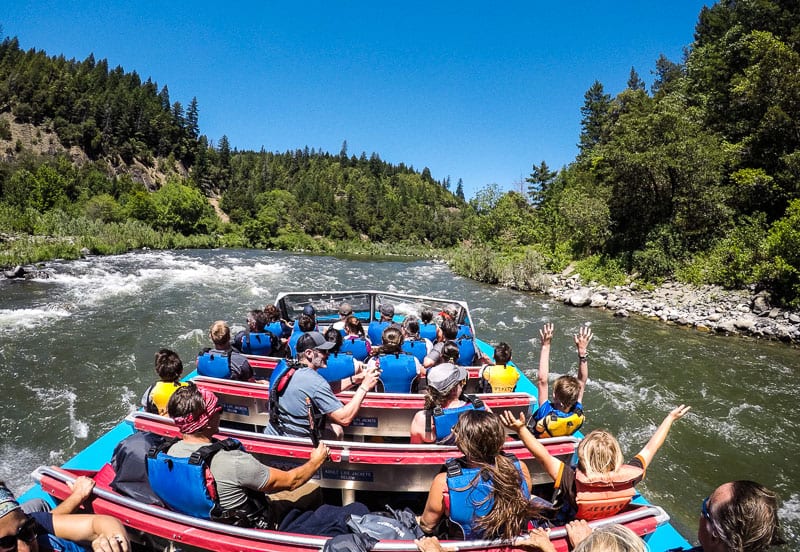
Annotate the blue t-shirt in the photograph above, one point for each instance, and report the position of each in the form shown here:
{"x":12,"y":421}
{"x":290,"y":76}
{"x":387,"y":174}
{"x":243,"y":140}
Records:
{"x":46,"y":538}
{"x":306,"y":383}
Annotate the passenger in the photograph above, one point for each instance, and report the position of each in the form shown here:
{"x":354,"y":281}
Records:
{"x":376,"y":327}
{"x":239,"y":478}
{"x":397,"y":368}
{"x":412,"y":342}
{"x":450,"y":352}
{"x":609,"y":538}
{"x":275,"y":324}
{"x":308,"y":390}
{"x":345,"y":310}
{"x":601,"y":485}
{"x":447,"y":332}
{"x":355,"y":339}
{"x":223,"y":361}
{"x":444,"y":403}
{"x":169,"y":369}
{"x":304,"y":325}
{"x":49,"y":531}
{"x":427,"y":327}
{"x":256,"y":339}
{"x":485,"y":494}
{"x":499,"y":377}
{"x":564,"y":414}
{"x":739,"y":516}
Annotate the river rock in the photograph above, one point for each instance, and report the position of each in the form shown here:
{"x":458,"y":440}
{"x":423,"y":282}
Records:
{"x":621,"y":313}
{"x":794,"y":318}
{"x":85,"y":252}
{"x":580,"y":298}
{"x":745,"y":324}
{"x":16,"y":272}
{"x":598,"y":300}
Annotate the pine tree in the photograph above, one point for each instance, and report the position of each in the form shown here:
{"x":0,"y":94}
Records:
{"x":460,"y":190}
{"x":192,"y":119}
{"x":595,"y":110}
{"x":540,"y":180}
{"x":634,"y":81}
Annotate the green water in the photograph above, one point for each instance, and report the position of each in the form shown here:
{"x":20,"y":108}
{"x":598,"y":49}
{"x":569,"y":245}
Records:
{"x":76,"y":352}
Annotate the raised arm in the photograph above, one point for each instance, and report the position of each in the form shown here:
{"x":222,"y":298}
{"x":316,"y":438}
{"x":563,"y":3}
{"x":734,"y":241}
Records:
{"x":551,"y":464}
{"x":582,"y":339}
{"x":658,"y":438}
{"x":546,"y":334}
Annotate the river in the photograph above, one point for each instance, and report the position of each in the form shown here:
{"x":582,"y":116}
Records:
{"x":76,"y":352}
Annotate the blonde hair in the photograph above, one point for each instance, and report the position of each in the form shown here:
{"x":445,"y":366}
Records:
{"x":566,"y":390}
{"x":220,"y":333}
{"x":612,"y":538}
{"x":599,"y":453}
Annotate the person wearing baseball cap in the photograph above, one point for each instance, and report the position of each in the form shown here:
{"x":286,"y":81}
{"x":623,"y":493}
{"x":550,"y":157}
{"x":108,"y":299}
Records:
{"x":444,"y":403}
{"x":345,"y":310}
{"x":308,"y":394}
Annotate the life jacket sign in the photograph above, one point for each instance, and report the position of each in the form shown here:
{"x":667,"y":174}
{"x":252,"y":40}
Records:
{"x":365,"y":422}
{"x":348,"y":475}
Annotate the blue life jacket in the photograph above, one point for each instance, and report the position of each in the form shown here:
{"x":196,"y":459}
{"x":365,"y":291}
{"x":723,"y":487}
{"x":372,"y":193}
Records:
{"x":256,"y":343}
{"x":214,"y":364}
{"x":293,"y":341}
{"x":278,"y":328}
{"x":397,"y":372}
{"x":466,"y":351}
{"x":469,"y":499}
{"x":445,"y":418}
{"x":428,"y":331}
{"x":338,"y":367}
{"x":181,"y":483}
{"x":463,"y":331}
{"x":415,"y":347}
{"x":358,"y":347}
{"x":375,"y":331}
{"x":278,"y":382}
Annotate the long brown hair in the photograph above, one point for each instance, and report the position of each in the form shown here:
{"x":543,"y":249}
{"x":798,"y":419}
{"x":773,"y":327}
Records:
{"x":480,"y":436}
{"x":392,"y":342}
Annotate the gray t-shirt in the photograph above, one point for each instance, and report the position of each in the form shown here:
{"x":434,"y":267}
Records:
{"x":435,"y":354}
{"x":306,"y":383}
{"x":233,"y":471}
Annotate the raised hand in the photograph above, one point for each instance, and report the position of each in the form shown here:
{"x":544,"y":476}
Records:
{"x":511,"y":422}
{"x":582,"y":339}
{"x":546,"y":333}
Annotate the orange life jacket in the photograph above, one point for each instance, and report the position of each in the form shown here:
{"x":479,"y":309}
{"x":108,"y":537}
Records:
{"x":606,"y":495}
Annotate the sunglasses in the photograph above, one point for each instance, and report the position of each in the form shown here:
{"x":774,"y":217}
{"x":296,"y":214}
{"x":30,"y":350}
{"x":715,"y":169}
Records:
{"x":25,"y":533}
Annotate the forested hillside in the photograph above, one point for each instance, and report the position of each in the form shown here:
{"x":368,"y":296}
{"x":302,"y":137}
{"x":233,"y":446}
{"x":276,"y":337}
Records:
{"x":696,"y":178}
{"x":95,"y":158}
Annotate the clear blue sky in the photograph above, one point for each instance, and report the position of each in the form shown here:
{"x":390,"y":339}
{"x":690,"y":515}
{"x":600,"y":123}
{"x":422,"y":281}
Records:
{"x":472,"y":90}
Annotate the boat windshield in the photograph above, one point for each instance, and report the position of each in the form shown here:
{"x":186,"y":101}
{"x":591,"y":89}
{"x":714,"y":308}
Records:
{"x":366,"y":304}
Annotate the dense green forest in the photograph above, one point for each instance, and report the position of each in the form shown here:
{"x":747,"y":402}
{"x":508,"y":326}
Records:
{"x":695,"y":179}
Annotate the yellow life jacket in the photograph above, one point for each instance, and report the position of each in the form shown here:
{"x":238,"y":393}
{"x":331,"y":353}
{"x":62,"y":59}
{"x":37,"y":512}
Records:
{"x":161,"y":393}
{"x":559,"y":424}
{"x":606,"y":495}
{"x":502,"y":377}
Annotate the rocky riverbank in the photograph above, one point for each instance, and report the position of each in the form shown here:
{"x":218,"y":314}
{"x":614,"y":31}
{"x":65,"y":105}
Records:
{"x":706,"y":308}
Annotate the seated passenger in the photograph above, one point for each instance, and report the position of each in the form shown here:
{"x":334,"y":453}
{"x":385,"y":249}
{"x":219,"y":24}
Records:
{"x":169,"y":369}
{"x":376,"y":327}
{"x":345,"y":310}
{"x":256,"y":339}
{"x":601,"y":485}
{"x":223,"y":361}
{"x":275,"y":324}
{"x":564,"y":414}
{"x":303,"y":325}
{"x":239,"y":478}
{"x":499,"y":377}
{"x":444,"y":403}
{"x":412,"y":342}
{"x":340,"y":367}
{"x":397,"y":368}
{"x":307,"y":390}
{"x":448,"y":330}
{"x":427,"y":328}
{"x":739,"y":515}
{"x":48,"y":531}
{"x":355,"y":339}
{"x":484,"y":494}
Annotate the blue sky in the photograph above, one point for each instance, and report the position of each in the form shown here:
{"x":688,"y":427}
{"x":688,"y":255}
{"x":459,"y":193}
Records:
{"x":472,"y":90}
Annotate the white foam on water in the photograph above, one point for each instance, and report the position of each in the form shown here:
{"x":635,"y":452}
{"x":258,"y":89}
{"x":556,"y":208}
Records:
{"x":192,"y":335}
{"x":14,"y":320}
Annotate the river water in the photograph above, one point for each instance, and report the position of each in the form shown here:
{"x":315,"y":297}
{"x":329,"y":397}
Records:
{"x":76,"y":352}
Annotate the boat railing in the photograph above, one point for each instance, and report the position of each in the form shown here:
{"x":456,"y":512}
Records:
{"x":642,"y":519}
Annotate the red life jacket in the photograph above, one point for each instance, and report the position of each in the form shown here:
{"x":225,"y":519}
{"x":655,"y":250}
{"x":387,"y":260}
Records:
{"x":606,"y":495}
